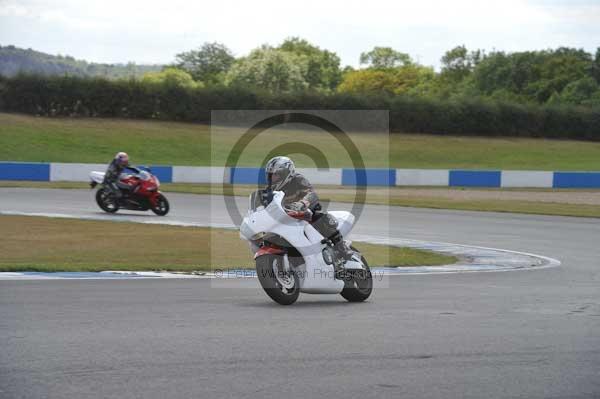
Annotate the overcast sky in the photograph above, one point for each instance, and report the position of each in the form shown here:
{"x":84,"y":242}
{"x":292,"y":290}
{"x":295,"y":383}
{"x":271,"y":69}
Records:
{"x":147,"y":31}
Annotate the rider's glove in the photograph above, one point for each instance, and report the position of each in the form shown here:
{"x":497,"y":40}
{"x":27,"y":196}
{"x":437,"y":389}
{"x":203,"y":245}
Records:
{"x":303,"y":213}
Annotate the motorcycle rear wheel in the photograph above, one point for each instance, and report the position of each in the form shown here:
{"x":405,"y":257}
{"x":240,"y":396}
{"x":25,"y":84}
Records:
{"x":283,"y":288}
{"x":106,"y":201}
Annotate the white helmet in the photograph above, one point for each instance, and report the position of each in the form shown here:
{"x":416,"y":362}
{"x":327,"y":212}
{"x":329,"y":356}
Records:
{"x":279,"y":171}
{"x":122,"y":158}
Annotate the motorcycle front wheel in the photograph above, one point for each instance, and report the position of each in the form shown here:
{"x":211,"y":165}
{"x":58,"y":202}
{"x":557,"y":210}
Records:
{"x":162,"y":206}
{"x":106,"y":201}
{"x":282,"y":287}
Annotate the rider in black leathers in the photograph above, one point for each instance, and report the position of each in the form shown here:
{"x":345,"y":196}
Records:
{"x":111,"y":177}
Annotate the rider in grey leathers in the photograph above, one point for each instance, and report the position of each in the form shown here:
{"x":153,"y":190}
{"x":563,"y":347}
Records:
{"x":300,"y":196}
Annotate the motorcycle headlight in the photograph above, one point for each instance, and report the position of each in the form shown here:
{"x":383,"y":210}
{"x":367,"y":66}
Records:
{"x":157,"y":181}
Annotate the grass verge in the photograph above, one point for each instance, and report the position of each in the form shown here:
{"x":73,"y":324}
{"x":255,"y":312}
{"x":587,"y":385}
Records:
{"x":52,"y":245}
{"x":392,"y":196}
{"x":96,"y":140}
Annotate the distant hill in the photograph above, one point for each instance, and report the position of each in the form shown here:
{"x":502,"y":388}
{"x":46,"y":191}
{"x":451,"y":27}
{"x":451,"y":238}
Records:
{"x":14,"y":60}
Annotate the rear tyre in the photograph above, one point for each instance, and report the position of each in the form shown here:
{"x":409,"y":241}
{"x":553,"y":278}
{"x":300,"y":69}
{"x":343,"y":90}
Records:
{"x":162,"y":205}
{"x":358,"y":283}
{"x":282,"y":287}
{"x":106,"y":201}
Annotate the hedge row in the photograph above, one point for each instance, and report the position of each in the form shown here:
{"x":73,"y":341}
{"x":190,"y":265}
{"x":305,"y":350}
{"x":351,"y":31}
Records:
{"x":81,"y":97}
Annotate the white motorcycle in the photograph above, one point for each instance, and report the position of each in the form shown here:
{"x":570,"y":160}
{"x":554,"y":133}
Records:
{"x":292,"y":256}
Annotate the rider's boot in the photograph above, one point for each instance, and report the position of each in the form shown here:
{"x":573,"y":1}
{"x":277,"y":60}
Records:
{"x":115,"y":191}
{"x":340,"y":247}
{"x":342,"y":253}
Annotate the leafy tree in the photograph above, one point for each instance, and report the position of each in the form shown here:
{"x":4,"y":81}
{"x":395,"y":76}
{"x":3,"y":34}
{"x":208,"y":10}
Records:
{"x":531,"y":75}
{"x":416,"y":80}
{"x":595,"y":67}
{"x":171,"y":77}
{"x":207,"y":64}
{"x":458,"y":63}
{"x":384,"y":57}
{"x":390,"y":72}
{"x":559,"y":68}
{"x":585,"y":91}
{"x":270,"y":69}
{"x":323,"y":66}
{"x":410,"y":79}
{"x":454,"y":81}
{"x":368,"y":81}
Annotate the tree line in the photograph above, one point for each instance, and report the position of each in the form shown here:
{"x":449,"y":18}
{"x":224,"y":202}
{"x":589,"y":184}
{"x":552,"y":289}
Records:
{"x":562,"y":76}
{"x":71,"y":96}
{"x":14,"y":60}
{"x":554,"y":76}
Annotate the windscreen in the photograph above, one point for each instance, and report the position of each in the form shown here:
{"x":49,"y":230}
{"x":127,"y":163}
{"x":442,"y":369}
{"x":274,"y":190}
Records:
{"x":260,"y":198}
{"x":255,"y":201}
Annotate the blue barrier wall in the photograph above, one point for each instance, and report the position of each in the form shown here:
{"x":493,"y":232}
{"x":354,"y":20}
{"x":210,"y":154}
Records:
{"x":247,"y":176}
{"x":475,"y":178}
{"x":349,"y":177}
{"x":164,"y":173}
{"x":370,"y":177}
{"x":24,"y":171}
{"x":576,"y":180}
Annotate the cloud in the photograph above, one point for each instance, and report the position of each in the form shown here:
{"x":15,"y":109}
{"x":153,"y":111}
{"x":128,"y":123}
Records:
{"x":154,"y":31}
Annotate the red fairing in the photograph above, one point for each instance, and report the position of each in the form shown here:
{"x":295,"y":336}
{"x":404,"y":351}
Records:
{"x":266,"y":250}
{"x":145,"y":188}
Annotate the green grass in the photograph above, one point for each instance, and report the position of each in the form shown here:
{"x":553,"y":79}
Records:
{"x":39,"y":139}
{"x":51,"y":245}
{"x":527,"y":207}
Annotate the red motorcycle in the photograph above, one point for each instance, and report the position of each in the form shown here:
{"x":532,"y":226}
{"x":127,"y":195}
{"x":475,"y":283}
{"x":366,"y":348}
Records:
{"x":139,"y":192}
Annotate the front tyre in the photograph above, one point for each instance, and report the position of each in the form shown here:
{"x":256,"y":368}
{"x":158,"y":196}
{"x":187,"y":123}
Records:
{"x":107,"y":201}
{"x":282,"y":287}
{"x":358,"y":283}
{"x":162,"y":205}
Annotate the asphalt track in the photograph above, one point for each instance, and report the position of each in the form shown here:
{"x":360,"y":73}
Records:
{"x":530,"y":334}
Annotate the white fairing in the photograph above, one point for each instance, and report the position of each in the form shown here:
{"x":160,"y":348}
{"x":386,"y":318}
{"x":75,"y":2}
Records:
{"x":97,"y":177}
{"x":315,"y":275}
